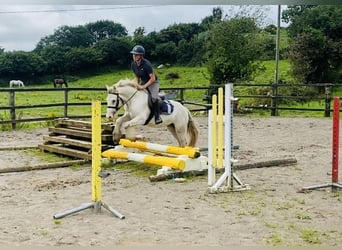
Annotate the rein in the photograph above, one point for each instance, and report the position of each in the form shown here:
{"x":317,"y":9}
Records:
{"x":117,"y":106}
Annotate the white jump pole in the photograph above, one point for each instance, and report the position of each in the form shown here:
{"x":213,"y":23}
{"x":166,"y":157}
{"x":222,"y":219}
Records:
{"x":211,"y":168}
{"x":175,"y":163}
{"x":154,"y":147}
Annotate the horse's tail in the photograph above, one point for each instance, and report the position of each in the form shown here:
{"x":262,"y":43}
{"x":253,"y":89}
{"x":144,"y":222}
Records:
{"x":192,"y":131}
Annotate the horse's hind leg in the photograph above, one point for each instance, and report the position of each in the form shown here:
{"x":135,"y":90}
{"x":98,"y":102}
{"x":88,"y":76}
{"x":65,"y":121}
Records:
{"x":172,"y":130}
{"x":179,"y":135}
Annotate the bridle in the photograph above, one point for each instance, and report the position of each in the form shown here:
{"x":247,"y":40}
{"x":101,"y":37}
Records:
{"x":118,"y":97}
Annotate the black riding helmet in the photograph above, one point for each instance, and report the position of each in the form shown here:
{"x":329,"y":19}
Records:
{"x":138,"y":50}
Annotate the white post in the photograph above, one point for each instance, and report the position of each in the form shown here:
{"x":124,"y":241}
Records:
{"x":228,"y":130}
{"x":211,"y":169}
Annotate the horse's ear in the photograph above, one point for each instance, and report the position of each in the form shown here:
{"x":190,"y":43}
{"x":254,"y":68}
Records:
{"x":110,"y":89}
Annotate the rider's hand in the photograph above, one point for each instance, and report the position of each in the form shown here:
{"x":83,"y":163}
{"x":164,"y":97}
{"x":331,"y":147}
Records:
{"x":141,"y":87}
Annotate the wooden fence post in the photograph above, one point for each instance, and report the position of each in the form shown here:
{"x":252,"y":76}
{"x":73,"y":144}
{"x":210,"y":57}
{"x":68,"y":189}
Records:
{"x":328,"y":99}
{"x":66,"y":102}
{"x":274,"y":100}
{"x":12,"y":109}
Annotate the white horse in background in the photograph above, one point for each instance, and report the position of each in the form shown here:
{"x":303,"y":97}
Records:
{"x":18,"y":83}
{"x":137,"y":112}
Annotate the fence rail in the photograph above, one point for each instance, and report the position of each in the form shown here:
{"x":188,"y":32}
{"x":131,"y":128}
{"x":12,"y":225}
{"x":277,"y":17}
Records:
{"x":181,"y":94}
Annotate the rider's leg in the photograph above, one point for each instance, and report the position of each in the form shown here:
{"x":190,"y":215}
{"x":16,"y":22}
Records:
{"x":154,"y":90}
{"x":156,"y":110}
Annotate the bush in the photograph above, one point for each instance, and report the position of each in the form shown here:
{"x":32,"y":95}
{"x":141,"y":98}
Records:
{"x":171,"y":76}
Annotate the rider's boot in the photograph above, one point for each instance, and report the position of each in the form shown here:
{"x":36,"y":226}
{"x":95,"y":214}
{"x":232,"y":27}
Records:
{"x":157,"y":118}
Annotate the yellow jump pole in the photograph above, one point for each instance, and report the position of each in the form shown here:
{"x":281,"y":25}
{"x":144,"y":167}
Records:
{"x":154,"y":147}
{"x":96,"y":155}
{"x":173,"y":163}
{"x":220,"y":129}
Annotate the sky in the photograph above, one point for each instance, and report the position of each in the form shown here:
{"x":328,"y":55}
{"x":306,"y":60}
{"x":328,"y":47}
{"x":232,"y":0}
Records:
{"x":22,"y":26}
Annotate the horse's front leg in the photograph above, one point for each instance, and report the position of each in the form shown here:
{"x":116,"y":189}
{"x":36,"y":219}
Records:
{"x":119,"y":130}
{"x":129,"y":126}
{"x":137,"y":120}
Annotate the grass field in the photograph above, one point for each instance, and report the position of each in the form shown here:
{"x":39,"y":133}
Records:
{"x":171,"y":76}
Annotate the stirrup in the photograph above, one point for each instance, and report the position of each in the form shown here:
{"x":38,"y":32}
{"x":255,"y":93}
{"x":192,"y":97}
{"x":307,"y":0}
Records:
{"x":158,"y":120}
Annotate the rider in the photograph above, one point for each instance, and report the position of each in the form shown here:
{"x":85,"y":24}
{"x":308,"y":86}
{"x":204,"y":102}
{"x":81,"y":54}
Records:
{"x":146,"y":78}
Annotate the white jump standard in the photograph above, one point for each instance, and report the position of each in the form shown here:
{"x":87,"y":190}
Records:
{"x":216,"y":121}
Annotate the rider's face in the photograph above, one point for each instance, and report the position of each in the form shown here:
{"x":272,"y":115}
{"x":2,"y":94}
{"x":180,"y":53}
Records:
{"x":137,"y":58}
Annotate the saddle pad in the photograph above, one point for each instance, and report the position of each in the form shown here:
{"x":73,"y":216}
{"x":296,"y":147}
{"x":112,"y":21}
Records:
{"x":166,"y":107}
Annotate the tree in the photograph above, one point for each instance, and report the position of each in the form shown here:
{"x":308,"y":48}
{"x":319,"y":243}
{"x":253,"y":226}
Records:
{"x":294,"y":11}
{"x":271,"y":29}
{"x":21,"y":64}
{"x":68,"y":37}
{"x":82,"y":59}
{"x":166,"y":51}
{"x":232,"y":50}
{"x":216,"y":17}
{"x":114,"y":51}
{"x":139,"y":33}
{"x":315,"y":44}
{"x":105,"y":29}
{"x":54,"y":56}
{"x":177,"y":32}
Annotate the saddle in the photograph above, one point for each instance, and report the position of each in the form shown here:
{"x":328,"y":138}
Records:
{"x":165,"y":106}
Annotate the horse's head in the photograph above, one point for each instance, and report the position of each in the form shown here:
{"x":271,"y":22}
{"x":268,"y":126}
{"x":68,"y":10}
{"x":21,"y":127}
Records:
{"x":120,"y":92}
{"x":114,"y":102}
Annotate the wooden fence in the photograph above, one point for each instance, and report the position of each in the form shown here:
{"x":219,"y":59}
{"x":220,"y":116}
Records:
{"x":185,"y":95}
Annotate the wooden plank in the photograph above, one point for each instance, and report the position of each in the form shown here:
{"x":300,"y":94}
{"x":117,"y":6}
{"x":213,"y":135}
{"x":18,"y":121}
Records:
{"x":65,"y":151}
{"x":106,"y":127}
{"x":74,"y":142}
{"x":73,"y":123}
{"x":43,"y":166}
{"x":73,"y":138}
{"x":74,"y":133}
{"x":263,"y":164}
{"x":68,"y":141}
{"x":71,"y":132}
{"x":10,"y":148}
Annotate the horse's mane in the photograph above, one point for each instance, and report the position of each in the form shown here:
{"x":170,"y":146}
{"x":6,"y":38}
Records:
{"x":122,"y":84}
{"x":126,"y":82}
